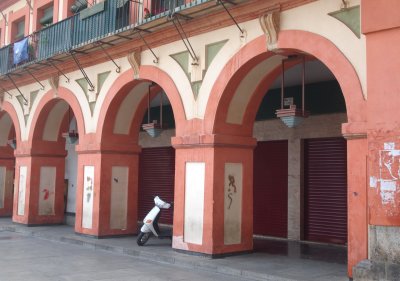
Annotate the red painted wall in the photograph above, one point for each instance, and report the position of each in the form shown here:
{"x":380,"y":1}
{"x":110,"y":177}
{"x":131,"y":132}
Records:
{"x":379,"y":15}
{"x":383,"y":64}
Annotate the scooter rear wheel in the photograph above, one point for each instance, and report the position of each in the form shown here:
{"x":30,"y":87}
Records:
{"x":142,"y":238}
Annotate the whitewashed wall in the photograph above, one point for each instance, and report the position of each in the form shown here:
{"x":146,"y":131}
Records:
{"x":71,"y":171}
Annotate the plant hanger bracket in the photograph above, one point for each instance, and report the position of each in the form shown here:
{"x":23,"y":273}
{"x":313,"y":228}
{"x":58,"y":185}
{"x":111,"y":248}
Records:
{"x":100,"y":44}
{"x":229,"y":13}
{"x":15,"y":85}
{"x":33,"y":76}
{"x":138,"y":31}
{"x":83,"y":72}
{"x":51,"y":62}
{"x":179,"y":28}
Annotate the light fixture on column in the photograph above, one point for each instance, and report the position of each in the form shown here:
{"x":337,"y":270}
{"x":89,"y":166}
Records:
{"x":12,"y":143}
{"x":154,"y":128}
{"x":71,"y":136}
{"x":292,"y":116}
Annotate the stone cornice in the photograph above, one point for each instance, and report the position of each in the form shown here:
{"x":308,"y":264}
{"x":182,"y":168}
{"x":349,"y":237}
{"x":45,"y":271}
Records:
{"x":215,"y":140}
{"x":6,"y":3}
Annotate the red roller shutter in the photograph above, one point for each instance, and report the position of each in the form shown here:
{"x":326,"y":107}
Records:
{"x":156,"y":178}
{"x":325,"y":207}
{"x":270,"y":185}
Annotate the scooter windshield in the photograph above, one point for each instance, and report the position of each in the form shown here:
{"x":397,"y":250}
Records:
{"x":161,"y":204}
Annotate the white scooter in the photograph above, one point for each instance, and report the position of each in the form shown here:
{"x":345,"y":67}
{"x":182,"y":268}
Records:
{"x":151,"y":223}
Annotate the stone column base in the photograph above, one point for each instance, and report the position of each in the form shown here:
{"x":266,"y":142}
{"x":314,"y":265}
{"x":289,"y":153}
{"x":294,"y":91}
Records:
{"x":213,"y":210}
{"x":368,"y":270}
{"x":106,"y":198}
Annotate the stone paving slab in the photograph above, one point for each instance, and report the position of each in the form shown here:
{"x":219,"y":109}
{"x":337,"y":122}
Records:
{"x":255,"y":266}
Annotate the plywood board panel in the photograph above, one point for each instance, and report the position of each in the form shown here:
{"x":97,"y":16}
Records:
{"x":233,"y":203}
{"x":47,"y":190}
{"x":2,"y":186}
{"x":23,"y":171}
{"x":119,"y":197}
{"x":194,"y":202}
{"x":88,"y":194}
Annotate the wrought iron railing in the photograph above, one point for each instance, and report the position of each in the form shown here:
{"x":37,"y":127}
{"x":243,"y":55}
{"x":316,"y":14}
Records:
{"x":19,"y":53}
{"x":89,"y":25}
{"x":4,"y":58}
{"x":55,"y":39}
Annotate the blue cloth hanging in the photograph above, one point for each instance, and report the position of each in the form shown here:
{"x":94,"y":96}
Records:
{"x":21,"y":51}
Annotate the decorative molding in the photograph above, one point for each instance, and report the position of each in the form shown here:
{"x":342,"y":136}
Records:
{"x":196,"y":72}
{"x":84,"y":85}
{"x":182,"y":59}
{"x":350,"y":136}
{"x":54,"y":84}
{"x":270,"y":24}
{"x":24,"y":103}
{"x":134,"y":60}
{"x":101,"y":79}
{"x":349,"y":17}
{"x":32,"y":98}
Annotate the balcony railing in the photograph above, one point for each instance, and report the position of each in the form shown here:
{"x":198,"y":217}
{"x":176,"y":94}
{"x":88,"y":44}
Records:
{"x":90,"y":25}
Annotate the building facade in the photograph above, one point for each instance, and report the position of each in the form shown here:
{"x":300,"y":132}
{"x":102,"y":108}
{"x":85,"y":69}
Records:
{"x":78,"y":79}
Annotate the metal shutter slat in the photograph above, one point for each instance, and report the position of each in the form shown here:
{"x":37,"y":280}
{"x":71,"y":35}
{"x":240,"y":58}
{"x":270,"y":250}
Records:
{"x":325,"y":174}
{"x":270,"y":188}
{"x":156,"y":178}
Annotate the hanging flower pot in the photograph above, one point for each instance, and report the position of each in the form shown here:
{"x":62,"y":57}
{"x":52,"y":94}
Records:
{"x":153,"y":129}
{"x":292,"y":117}
{"x":12,"y":143}
{"x":71,"y":137}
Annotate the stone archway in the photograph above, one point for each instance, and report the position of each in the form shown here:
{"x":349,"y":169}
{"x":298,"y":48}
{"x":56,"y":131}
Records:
{"x":231,"y":113}
{"x":10,"y":136}
{"x":40,"y":165}
{"x":115,"y":147}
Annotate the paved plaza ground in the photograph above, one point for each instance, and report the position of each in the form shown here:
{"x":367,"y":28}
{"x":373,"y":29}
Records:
{"x":26,"y":258}
{"x":56,"y":253}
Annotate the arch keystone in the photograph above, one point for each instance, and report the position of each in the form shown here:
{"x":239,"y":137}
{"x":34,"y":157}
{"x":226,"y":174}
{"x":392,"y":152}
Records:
{"x":134,"y":60}
{"x":270,"y":24}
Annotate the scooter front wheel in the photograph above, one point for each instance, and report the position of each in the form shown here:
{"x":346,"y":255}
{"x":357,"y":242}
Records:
{"x":142,"y":238}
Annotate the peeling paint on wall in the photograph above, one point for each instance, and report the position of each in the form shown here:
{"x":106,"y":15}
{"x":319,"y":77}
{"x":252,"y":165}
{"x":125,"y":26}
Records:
{"x":384,"y":179}
{"x":389,"y":145}
{"x":373,"y":182}
{"x":389,"y":173}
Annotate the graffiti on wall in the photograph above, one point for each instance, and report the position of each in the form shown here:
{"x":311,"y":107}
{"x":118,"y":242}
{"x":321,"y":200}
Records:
{"x":232,"y":190}
{"x":47,"y":191}
{"x":88,"y":194}
{"x":233,"y":203}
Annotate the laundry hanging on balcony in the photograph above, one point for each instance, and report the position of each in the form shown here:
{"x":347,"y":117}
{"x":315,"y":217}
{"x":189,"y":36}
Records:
{"x":21,"y":51}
